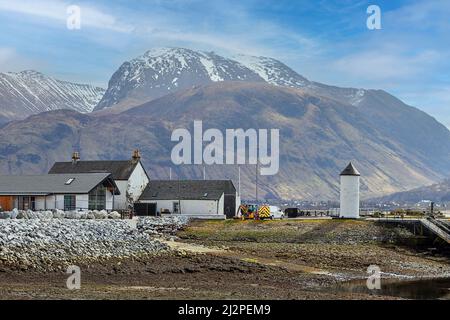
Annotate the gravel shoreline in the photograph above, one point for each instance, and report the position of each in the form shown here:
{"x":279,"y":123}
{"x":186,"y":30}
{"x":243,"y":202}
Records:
{"x":53,"y":244}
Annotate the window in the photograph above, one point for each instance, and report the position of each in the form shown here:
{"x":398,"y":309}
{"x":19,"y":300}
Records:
{"x":97,"y":198}
{"x":26,"y":203}
{"x":176,"y":208}
{"x":69,"y":202}
{"x":68,"y":182}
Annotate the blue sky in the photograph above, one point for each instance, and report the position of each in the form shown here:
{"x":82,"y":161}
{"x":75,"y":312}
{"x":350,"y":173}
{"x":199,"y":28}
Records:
{"x":326,"y":41}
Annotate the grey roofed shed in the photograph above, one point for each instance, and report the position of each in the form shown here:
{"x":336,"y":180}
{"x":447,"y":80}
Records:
{"x":187,"y":190}
{"x":54,"y":184}
{"x":119,"y":169}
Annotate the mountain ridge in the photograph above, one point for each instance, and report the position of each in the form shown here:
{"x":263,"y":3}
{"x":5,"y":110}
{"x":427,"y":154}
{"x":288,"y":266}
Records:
{"x":438,"y":192}
{"x":162,"y":71}
{"x":165,"y":70}
{"x":319,"y":135}
{"x":29,"y":92}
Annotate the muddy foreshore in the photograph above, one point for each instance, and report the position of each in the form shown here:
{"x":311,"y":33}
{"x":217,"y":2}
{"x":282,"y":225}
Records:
{"x":244,"y":260}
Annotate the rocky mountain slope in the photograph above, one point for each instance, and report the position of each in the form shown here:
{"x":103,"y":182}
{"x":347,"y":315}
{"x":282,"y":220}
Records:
{"x":318,"y":136}
{"x":29,"y":92}
{"x":438,"y":192}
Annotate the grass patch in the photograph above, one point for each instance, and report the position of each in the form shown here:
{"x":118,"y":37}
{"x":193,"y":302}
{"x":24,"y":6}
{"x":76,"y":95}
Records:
{"x":281,"y":231}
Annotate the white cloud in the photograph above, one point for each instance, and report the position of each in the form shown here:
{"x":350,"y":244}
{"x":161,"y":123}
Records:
{"x":57,"y":10}
{"x":5,"y":55}
{"x":422,"y":15}
{"x":233,"y":29}
{"x":386,"y":65}
{"x":11,"y":61}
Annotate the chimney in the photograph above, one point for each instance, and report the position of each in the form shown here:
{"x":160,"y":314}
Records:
{"x":136,"y":156}
{"x":75,"y":157}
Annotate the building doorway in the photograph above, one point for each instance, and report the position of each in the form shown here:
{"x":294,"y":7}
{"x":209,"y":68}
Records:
{"x":176,"y":208}
{"x":145,"y":209}
{"x":229,"y":206}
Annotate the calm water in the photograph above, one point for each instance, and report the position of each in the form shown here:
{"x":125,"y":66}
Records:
{"x":418,"y":289}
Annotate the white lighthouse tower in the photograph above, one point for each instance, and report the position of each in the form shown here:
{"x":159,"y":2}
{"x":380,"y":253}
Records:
{"x":350,"y":193}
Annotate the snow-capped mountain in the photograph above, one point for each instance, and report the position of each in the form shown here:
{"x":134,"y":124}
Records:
{"x":30,"y":92}
{"x":162,"y":71}
{"x":273,"y":71}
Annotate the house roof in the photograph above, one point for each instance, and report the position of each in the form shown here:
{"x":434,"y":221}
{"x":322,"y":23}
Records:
{"x":120,"y":170}
{"x":187,"y":189}
{"x":350,"y":171}
{"x":53,"y":184}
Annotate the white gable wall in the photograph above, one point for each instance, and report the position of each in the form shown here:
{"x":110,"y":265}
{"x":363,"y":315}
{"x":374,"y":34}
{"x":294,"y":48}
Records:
{"x":137,"y":182}
{"x":134,"y":186}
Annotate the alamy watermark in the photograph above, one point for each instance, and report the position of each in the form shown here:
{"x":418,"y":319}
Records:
{"x":374,"y":279}
{"x":73,"y":21}
{"x":237,"y":146}
{"x":374,"y":20}
{"x":74,"y":280}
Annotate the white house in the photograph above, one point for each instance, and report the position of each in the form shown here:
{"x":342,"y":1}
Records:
{"x":212,"y":199}
{"x":88,"y":191}
{"x":129,"y":175}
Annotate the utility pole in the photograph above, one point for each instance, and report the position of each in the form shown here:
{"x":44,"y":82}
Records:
{"x":179,"y":196}
{"x":239,"y":180}
{"x":170,"y":174}
{"x":257,"y":174}
{"x":204,"y":173}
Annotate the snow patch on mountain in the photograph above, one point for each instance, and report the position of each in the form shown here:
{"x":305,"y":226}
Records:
{"x":30,"y":92}
{"x":356,"y":98}
{"x":211,"y":69}
{"x":273,"y":71}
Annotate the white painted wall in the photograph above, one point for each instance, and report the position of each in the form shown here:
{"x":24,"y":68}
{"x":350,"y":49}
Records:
{"x":81,"y":201}
{"x":57,"y":202}
{"x":51,"y":202}
{"x":40,"y":203}
{"x":238,"y":202}
{"x":349,"y":207}
{"x":109,"y":200}
{"x":120,"y":201}
{"x":137,"y":182}
{"x":135,"y":185}
{"x":192,"y":207}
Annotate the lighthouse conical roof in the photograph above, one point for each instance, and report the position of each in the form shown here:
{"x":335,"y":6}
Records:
{"x":350,"y":171}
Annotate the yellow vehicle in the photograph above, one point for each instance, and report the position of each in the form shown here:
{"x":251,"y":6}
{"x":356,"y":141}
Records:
{"x":254,"y":212}
{"x":264,"y":212}
{"x":248,"y":211}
